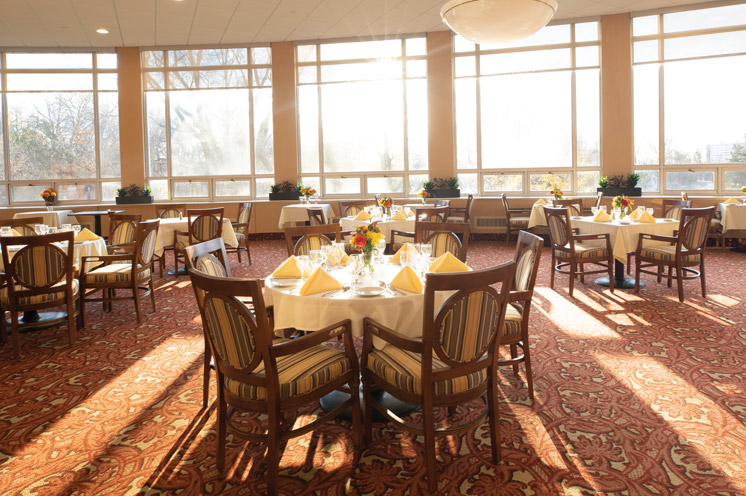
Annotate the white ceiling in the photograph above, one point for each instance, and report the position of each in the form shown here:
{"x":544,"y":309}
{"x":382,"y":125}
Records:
{"x":73,"y":23}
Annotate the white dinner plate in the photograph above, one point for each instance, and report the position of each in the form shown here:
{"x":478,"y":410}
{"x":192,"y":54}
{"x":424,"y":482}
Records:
{"x":284,"y":282}
{"x":576,"y":217}
{"x":670,"y":220}
{"x":370,"y":290}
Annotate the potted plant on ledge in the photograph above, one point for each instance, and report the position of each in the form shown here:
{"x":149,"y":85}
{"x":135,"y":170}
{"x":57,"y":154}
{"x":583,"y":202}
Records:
{"x":284,"y":191}
{"x":442,"y":188}
{"x":618,"y":185}
{"x":134,"y":194}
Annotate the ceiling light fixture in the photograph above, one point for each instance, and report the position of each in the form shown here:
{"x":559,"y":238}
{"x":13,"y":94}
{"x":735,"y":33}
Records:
{"x":497,"y":21}
{"x":102,"y":31}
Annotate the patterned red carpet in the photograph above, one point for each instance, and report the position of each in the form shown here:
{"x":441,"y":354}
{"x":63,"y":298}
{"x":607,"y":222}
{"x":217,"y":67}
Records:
{"x":635,"y":394}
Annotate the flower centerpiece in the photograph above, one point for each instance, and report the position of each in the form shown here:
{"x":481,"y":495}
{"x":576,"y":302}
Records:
{"x":306,"y":191}
{"x":364,"y":239}
{"x":424,"y":195}
{"x":385,"y":203}
{"x":743,"y":190}
{"x":49,"y":196}
{"x":556,"y":192}
{"x":623,"y":204}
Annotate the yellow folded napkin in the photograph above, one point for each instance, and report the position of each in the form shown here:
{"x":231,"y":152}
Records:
{"x":637,"y":213}
{"x":362,"y":215}
{"x":319,"y":282}
{"x":86,"y":235}
{"x":342,"y":260}
{"x":396,"y":256}
{"x":399,"y":216}
{"x":731,"y":200}
{"x":448,"y":263}
{"x":646,"y":217}
{"x":289,"y":268}
{"x":540,"y":201}
{"x":15,"y":233}
{"x":407,"y":280}
{"x":601,"y":216}
{"x":408,"y":211}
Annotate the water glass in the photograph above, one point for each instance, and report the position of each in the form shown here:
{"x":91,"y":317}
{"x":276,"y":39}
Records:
{"x":302,"y":261}
{"x":76,"y":228}
{"x":67,"y":227}
{"x":603,"y":208}
{"x":6,"y":231}
{"x":316,"y":258}
{"x":594,"y":210}
{"x":338,"y":252}
{"x":41,"y":228}
{"x":52,"y":229}
{"x":650,"y":210}
{"x":426,"y":250}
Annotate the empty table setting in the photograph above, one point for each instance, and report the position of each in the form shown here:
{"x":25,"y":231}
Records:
{"x":298,"y":213}
{"x":403,"y":220}
{"x":167,"y":227}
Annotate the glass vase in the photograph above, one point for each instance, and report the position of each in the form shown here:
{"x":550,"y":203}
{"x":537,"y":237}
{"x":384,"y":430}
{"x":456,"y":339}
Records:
{"x":368,"y":258}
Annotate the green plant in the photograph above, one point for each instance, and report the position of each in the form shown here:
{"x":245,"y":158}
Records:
{"x":453,"y":182}
{"x":440,"y":183}
{"x":283,"y":187}
{"x":603,"y":182}
{"x":617,"y":182}
{"x":134,"y":190}
{"x":633,"y":179}
{"x":428,"y":186}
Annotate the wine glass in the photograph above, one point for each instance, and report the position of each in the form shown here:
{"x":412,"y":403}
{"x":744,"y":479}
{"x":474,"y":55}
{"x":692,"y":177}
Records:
{"x":594,"y":210}
{"x":40,"y":228}
{"x":337,"y":253}
{"x":315,"y":258}
{"x":303,"y":264}
{"x":76,"y":229}
{"x":650,"y":210}
{"x":426,"y":249}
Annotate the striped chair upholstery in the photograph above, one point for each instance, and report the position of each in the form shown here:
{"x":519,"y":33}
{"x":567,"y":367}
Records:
{"x":123,"y":233}
{"x":243,"y":218}
{"x":204,"y":227}
{"x":444,"y":242}
{"x":524,"y":266}
{"x":118,"y":272}
{"x":468,"y":326}
{"x":513,"y":319}
{"x":41,"y":298}
{"x":25,"y":230}
{"x":40,"y":266}
{"x":147,"y":250}
{"x":171,"y":213}
{"x":667,"y":253}
{"x":583,"y":252}
{"x":211,"y":265}
{"x":558,"y":228}
{"x":673,"y":213}
{"x":311,"y":242}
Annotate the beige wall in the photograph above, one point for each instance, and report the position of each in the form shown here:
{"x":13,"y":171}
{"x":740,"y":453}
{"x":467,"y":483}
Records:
{"x":442,"y":146}
{"x":284,"y":112}
{"x":131,"y":133}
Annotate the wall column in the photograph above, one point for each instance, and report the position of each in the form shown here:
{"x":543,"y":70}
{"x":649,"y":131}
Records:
{"x":617,"y":124}
{"x":285,"y":124}
{"x":441,"y":148}
{"x":131,"y":109}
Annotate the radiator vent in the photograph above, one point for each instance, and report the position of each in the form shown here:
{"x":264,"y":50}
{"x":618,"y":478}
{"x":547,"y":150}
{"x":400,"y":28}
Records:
{"x":489,"y":224}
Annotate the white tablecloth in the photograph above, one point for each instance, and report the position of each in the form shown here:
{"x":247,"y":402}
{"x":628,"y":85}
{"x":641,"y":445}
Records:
{"x":733,"y":216}
{"x":168,"y":226}
{"x":51,"y":218}
{"x":624,"y":237}
{"x":299,"y":213}
{"x":403,"y":313}
{"x":350,"y":224}
{"x":82,"y":249}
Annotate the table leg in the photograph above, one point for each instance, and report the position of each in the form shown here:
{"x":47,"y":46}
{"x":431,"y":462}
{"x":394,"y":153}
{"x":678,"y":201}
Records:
{"x":33,"y":320}
{"x":620,"y":282}
{"x":97,"y":224}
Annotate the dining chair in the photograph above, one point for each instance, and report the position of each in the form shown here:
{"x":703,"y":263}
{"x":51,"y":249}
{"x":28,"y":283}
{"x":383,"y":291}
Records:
{"x":204,"y":224}
{"x":422,"y":214}
{"x":258,"y":376}
{"x":122,"y":229}
{"x":575,"y":206}
{"x":241,"y":227}
{"x":351,"y":208}
{"x":571,"y":250}
{"x":132,"y":270}
{"x":443,"y":237}
{"x":454,"y":362}
{"x":679,"y":254}
{"x":672,"y":208}
{"x":527,"y":258}
{"x":300,"y":240}
{"x":38,"y":276}
{"x":461,"y":214}
{"x":443,"y":203}
{"x":24,"y":226}
{"x":515,"y":218}
{"x":168,"y":211}
{"x":316,"y":216}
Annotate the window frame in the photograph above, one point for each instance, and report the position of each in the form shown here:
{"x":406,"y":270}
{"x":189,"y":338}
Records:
{"x":8,"y":184}
{"x":166,"y":69}
{"x":717,"y":168}
{"x":527,"y":172}
{"x":321,"y":176}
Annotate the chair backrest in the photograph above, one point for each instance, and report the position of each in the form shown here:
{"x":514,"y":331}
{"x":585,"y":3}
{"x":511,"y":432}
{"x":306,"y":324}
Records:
{"x":204,"y":224}
{"x":24,"y":225}
{"x":444,"y":237}
{"x":506,"y":206}
{"x":351,"y":208}
{"x":300,"y":240}
{"x":239,"y":337}
{"x":431,"y":214}
{"x":146,"y":233}
{"x":38,"y":266}
{"x":209,"y":257}
{"x":244,"y":217}
{"x":316,"y":216}
{"x":693,"y":228}
{"x":122,"y":228}
{"x":672,"y":208}
{"x":467,"y":328}
{"x":558,"y":221}
{"x":527,"y":257}
{"x":467,"y":208}
{"x":442,"y":203}
{"x":170,"y":211}
{"x":575,"y":206}
{"x":599,"y":198}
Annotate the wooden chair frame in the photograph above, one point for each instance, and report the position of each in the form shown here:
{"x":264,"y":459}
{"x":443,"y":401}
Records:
{"x":689,"y":217}
{"x":424,"y":231}
{"x":17,"y":287}
{"x":346,"y":206}
{"x":25,"y":223}
{"x":293,"y":234}
{"x":140,"y":280}
{"x":195,"y":215}
{"x":510,"y":213}
{"x":166,"y":211}
{"x":422,"y":214}
{"x":279,"y":428}
{"x":571,"y":238}
{"x":115,"y":221}
{"x":463,"y":283}
{"x":316,"y":216}
{"x":463,"y":214}
{"x":575,"y":204}
{"x":242,"y":228}
{"x":669,"y":204}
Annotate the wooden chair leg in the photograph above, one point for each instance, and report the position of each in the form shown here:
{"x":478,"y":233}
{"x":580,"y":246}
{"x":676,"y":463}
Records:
{"x":14,"y":339}
{"x":430,"y":462}
{"x":680,"y":283}
{"x":670,"y":278}
{"x":273,"y":448}
{"x":3,"y":329}
{"x":527,"y":360}
{"x":494,"y":416}
{"x":356,"y":423}
{"x":551,"y":275}
{"x":152,"y":294}
{"x":514,"y":354}
{"x":206,"y":376}
{"x":573,"y":273}
{"x":702,"y":278}
{"x":71,"y":322}
{"x":367,"y":410}
{"x":136,"y":296}
{"x":222,"y":412}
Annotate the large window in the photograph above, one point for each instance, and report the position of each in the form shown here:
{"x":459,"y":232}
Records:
{"x":209,"y":123}
{"x":60,"y":120}
{"x":362,"y":113}
{"x":527,"y":116}
{"x":689,"y":101}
